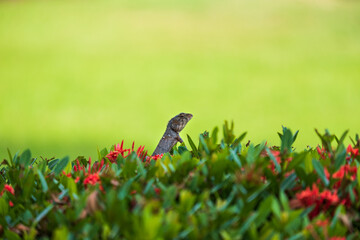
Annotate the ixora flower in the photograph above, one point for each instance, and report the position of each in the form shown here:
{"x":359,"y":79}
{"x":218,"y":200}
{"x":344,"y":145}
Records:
{"x":155,"y":157}
{"x":353,"y":152}
{"x":10,"y":189}
{"x":346,"y":170}
{"x":322,"y":152}
{"x":321,"y":200}
{"x":125,"y":152}
{"x":92,"y":179}
{"x":92,"y":175}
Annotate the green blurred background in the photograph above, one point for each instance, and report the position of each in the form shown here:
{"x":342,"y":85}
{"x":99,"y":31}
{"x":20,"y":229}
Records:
{"x":77,"y":75}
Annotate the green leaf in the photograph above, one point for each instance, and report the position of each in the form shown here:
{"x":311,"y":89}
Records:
{"x":193,"y":147}
{"x":257,"y":192}
{"x":53,"y":163}
{"x":10,"y":157}
{"x":335,"y":218}
{"x":25,"y":158}
{"x":43,"y":214}
{"x":182,"y":149}
{"x":43,"y":181}
{"x":4,"y":207}
{"x":61,"y":233}
{"x":297,"y":159}
{"x":284,"y":201}
{"x":264,"y":210}
{"x":320,"y":171}
{"x":11,"y":235}
{"x":214,"y":135}
{"x":297,"y":236}
{"x":228,"y":133}
{"x":295,"y":136}
{"x":272,"y":157}
{"x":203,"y":144}
{"x":288,"y":182}
{"x":250,"y":156}
{"x":309,"y":168}
{"x":235,"y":157}
{"x":341,"y":140}
{"x":340,"y":157}
{"x":71,"y":185}
{"x":275,"y":207}
{"x":247,"y":223}
{"x":238,"y":140}
{"x":286,"y":140}
{"x":61,"y":165}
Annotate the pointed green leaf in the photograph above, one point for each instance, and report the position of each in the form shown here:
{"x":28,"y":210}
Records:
{"x":309,"y":168}
{"x":43,"y":181}
{"x":193,"y":147}
{"x":25,"y":158}
{"x":60,"y":166}
{"x":320,"y":171}
{"x":272,"y":157}
{"x":340,"y":157}
{"x":235,"y":157}
{"x":43,"y":214}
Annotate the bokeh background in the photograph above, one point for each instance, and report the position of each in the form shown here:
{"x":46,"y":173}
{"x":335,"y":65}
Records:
{"x":77,"y":75}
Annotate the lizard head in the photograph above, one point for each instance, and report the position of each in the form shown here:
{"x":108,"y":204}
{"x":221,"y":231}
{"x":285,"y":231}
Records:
{"x":178,"y":122}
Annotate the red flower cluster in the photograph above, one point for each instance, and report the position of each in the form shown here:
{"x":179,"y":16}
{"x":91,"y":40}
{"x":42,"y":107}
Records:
{"x":92,"y":175}
{"x":92,"y":179}
{"x":322,"y":200}
{"x":10,"y":189}
{"x":344,"y":171}
{"x":155,"y":157}
{"x":322,"y":152}
{"x":124,"y":152}
{"x":353,"y":152}
{"x":277,"y":156}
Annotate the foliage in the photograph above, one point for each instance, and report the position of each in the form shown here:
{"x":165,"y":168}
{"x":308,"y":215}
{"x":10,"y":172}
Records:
{"x":226,"y":189}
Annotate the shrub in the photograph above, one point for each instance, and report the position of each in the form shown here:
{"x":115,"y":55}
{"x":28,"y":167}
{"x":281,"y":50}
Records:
{"x":222,"y":189}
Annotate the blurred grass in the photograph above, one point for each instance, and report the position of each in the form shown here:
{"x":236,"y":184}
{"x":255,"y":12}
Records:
{"x":77,"y":75}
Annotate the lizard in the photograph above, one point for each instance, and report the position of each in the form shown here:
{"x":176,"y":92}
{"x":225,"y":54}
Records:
{"x":171,"y":135}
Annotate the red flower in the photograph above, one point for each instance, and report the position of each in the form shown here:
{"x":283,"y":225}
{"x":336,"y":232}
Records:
{"x":92,"y":176}
{"x":322,"y":201}
{"x":337,"y":238}
{"x":78,"y":167}
{"x":118,"y":149}
{"x":344,"y":170}
{"x":157,"y":190}
{"x":66,"y":175}
{"x":322,"y":152}
{"x":322,"y":223}
{"x":308,"y":197}
{"x":92,"y":179}
{"x":77,"y":179}
{"x":353,"y":152}
{"x":9,"y":189}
